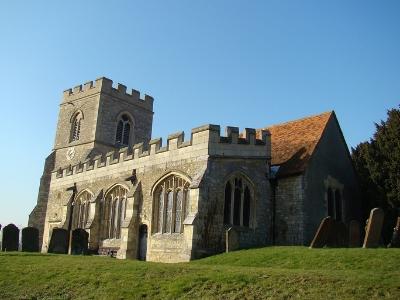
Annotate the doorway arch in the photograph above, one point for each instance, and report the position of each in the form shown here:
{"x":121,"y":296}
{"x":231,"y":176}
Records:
{"x":142,"y":249}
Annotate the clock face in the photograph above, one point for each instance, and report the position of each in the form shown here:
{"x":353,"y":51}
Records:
{"x":70,"y":153}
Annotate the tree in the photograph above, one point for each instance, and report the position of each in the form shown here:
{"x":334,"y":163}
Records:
{"x":377,"y":163}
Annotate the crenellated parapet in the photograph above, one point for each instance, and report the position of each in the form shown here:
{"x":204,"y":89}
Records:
{"x":105,"y":85}
{"x":204,"y":141}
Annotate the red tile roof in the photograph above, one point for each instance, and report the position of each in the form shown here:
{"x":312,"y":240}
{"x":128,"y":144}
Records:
{"x":294,"y":142}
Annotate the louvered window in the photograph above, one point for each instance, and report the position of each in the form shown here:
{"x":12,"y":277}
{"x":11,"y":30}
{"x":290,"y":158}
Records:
{"x":123,"y":131}
{"x":76,"y":127}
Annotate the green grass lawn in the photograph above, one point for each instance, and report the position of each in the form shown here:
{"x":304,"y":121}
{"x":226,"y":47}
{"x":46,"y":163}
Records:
{"x":274,"y":272}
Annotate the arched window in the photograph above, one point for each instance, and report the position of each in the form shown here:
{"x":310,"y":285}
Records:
{"x":123,"y":130}
{"x":170,"y":204}
{"x":239,"y":202}
{"x":113,"y":212}
{"x":81,"y":206}
{"x":76,"y":127}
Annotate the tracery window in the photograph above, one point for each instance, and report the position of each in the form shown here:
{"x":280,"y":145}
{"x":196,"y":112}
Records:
{"x":76,"y":127}
{"x":238,"y":202}
{"x":81,"y":209}
{"x":123,"y":130}
{"x":113,"y":212}
{"x":170,"y":204}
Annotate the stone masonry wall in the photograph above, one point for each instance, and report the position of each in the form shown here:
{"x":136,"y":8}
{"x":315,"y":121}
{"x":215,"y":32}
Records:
{"x":289,"y":219}
{"x":187,"y":158}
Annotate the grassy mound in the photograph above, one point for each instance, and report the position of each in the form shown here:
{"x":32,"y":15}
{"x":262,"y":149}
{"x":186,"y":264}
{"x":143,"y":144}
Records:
{"x":274,"y":272}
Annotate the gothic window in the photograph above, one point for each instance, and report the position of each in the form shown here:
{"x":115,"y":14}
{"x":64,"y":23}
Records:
{"x":338,"y":205}
{"x":246,"y":207}
{"x":239,"y":202}
{"x":334,"y":199}
{"x":178,"y":211}
{"x":113,"y":212}
{"x":170,"y":204}
{"x":123,"y":131}
{"x":227,"y":207}
{"x":76,"y":127}
{"x":81,"y":206}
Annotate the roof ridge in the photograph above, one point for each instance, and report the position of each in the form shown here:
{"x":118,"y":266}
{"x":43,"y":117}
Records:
{"x":301,"y":119}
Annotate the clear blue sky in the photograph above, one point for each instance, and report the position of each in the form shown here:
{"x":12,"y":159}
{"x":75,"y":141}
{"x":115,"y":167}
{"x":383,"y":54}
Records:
{"x":240,"y":63}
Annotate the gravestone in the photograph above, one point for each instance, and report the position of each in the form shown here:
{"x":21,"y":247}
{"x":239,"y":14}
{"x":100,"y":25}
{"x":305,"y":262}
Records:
{"x":59,"y":241}
{"x":10,"y":238}
{"x":30,"y":239}
{"x":354,"y":234}
{"x":338,"y":235}
{"x":232,"y":240}
{"x":323,"y":233}
{"x":395,"y":242}
{"x":79,"y":243}
{"x":374,"y":228}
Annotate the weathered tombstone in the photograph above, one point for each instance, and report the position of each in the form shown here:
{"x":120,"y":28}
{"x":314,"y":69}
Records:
{"x":59,"y":241}
{"x":30,"y":239}
{"x":323,"y":233}
{"x":10,"y":238}
{"x":395,"y":242}
{"x":374,"y":228}
{"x":354,"y":234}
{"x":79,"y":243}
{"x":232,"y":240}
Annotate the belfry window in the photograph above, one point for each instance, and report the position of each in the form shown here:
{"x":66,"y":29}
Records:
{"x":81,"y":210}
{"x":170,"y":205}
{"x":113,"y":213}
{"x":123,"y":130}
{"x":76,"y":127}
{"x":239,"y":202}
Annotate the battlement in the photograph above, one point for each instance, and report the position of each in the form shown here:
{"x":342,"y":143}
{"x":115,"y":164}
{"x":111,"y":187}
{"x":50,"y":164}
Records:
{"x":105,"y":85}
{"x":204,"y":141}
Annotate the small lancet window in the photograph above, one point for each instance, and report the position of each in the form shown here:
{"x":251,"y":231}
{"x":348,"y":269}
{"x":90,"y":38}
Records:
{"x":239,"y":202}
{"x":76,"y":127}
{"x":123,"y":131}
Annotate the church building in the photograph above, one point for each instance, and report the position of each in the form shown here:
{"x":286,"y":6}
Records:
{"x":137,"y":197}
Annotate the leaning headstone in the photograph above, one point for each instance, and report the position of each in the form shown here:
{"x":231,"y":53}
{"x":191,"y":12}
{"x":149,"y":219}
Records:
{"x":395,"y":242}
{"x":10,"y":238}
{"x":59,"y":241}
{"x":79,"y":243}
{"x":338,"y":235}
{"x":30,"y":239}
{"x":374,"y":228}
{"x":322,"y":234}
{"x":232,"y":240}
{"x":354,"y":234}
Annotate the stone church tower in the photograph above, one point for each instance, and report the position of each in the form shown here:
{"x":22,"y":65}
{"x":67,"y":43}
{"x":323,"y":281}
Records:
{"x":89,"y":117}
